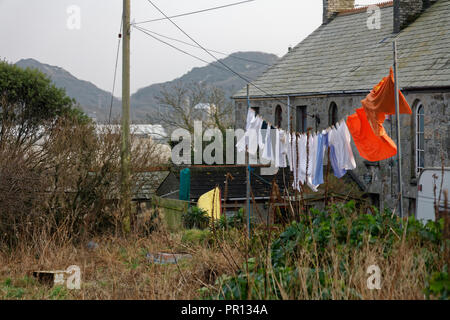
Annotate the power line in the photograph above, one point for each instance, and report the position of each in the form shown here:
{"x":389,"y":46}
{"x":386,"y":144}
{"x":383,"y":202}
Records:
{"x":230,"y":69}
{"x":225,"y":54}
{"x":247,"y":80}
{"x":194,"y":12}
{"x":209,"y":53}
{"x":115,"y":70}
{"x":211,"y":50}
{"x":178,"y":49}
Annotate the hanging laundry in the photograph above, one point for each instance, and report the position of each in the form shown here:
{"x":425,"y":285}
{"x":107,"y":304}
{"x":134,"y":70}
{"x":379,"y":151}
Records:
{"x":254,"y":131}
{"x":312,"y":155}
{"x":294,"y":162}
{"x":260,"y":136}
{"x":292,"y":151}
{"x":250,"y":138}
{"x":251,"y":114}
{"x":381,"y":102}
{"x":318,"y":173}
{"x":277,"y":148}
{"x":370,"y":146}
{"x":344,"y":152}
{"x":281,"y":146}
{"x":301,"y":170}
{"x":289,"y":150}
{"x":211,"y":203}
{"x":284,"y":149}
{"x":243,"y":142}
{"x":267,"y":152}
{"x":332,"y":141}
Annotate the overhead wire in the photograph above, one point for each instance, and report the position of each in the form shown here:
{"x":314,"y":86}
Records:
{"x":145,"y":30}
{"x":115,"y":69}
{"x":194,"y":12}
{"x":229,"y":68}
{"x":179,"y":49}
{"x":194,"y":46}
{"x":213,"y":56}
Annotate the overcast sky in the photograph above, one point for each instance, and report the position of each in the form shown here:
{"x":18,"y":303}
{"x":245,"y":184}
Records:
{"x":38,"y":29}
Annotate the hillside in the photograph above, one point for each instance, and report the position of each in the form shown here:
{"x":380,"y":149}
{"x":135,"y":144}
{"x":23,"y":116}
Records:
{"x":213,"y":74}
{"x":95,"y":102}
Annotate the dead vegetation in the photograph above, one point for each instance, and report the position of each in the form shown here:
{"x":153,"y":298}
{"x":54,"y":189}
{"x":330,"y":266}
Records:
{"x":60,"y":195}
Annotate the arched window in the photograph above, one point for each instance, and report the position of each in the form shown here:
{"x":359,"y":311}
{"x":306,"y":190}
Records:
{"x":278,"y":116}
{"x":420,"y":138}
{"x":332,"y":114}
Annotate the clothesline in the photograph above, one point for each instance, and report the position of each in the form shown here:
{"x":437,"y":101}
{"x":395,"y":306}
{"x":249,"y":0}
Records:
{"x":303,"y":152}
{"x":293,"y":131}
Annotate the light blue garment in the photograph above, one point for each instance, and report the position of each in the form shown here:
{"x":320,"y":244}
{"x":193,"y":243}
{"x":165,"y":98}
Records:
{"x":318,"y":175}
{"x":338,"y":172}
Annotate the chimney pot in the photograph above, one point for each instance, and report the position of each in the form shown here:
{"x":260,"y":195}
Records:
{"x":406,"y":11}
{"x":333,"y":7}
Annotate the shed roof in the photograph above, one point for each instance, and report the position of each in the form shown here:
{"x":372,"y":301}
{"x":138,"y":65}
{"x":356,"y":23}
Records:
{"x":206,"y":178}
{"x":345,"y":55}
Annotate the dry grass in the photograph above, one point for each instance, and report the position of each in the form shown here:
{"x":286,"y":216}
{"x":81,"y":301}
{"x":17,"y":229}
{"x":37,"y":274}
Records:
{"x":117,"y":269}
{"x":403,"y":275}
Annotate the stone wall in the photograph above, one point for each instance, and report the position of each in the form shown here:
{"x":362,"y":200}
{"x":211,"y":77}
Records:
{"x":406,"y":11}
{"x":383,"y":174}
{"x":331,"y":7}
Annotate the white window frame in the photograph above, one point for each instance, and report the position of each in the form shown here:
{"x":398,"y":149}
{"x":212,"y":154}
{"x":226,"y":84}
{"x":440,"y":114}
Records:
{"x":418,"y":151}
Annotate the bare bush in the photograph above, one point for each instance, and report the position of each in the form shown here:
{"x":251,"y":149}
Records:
{"x":65,"y":187}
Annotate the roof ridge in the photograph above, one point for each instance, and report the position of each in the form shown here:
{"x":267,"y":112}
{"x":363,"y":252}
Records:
{"x":364,"y":8}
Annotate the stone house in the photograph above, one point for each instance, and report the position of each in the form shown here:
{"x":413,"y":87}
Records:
{"x":324,"y":78}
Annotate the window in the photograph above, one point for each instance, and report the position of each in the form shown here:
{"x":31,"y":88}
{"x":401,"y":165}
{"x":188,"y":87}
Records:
{"x":420,"y":139}
{"x":301,"y":118}
{"x":332,"y":114}
{"x":278,"y":116}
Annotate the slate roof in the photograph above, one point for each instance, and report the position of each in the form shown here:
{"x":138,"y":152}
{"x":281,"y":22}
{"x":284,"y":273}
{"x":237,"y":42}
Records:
{"x":204,"y":179}
{"x":344,"y":55}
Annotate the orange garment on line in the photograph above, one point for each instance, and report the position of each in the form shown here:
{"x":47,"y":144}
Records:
{"x":381,"y":102}
{"x":370,"y":146}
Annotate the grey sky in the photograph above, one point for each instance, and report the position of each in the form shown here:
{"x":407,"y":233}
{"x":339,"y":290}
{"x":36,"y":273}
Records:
{"x":38,"y":29}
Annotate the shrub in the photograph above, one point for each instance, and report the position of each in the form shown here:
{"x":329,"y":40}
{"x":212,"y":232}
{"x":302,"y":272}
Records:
{"x":196,"y":237}
{"x":195,"y":218}
{"x":438,"y":285}
{"x":315,"y":257}
{"x":235,"y":221}
{"x":67,"y":187}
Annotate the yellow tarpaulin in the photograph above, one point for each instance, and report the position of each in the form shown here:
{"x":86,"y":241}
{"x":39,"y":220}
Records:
{"x":210,"y":202}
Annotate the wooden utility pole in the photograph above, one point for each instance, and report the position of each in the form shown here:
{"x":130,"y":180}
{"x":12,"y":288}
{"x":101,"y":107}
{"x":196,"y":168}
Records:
{"x":125,"y":138}
{"x":399,"y":142}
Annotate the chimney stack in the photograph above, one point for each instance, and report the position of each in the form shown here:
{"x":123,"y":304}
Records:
{"x":332,"y":7}
{"x":406,"y":11}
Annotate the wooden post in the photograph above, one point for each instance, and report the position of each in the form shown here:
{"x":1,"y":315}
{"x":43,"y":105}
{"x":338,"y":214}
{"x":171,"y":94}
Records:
{"x":247,"y":160}
{"x":125,"y":132}
{"x":399,"y":143}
